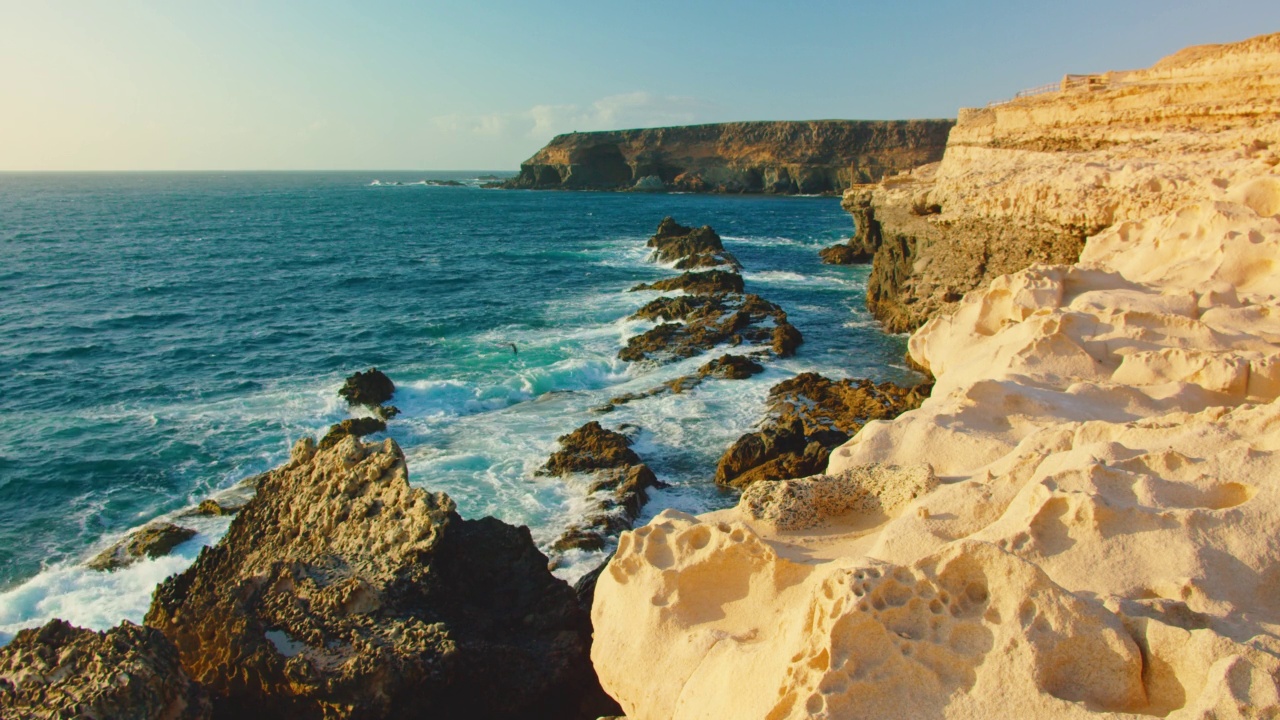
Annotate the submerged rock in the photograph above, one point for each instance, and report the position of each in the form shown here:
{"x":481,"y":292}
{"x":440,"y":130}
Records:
{"x":342,"y":592}
{"x":590,"y":447}
{"x":151,"y":541}
{"x":808,"y":416}
{"x":126,"y":673}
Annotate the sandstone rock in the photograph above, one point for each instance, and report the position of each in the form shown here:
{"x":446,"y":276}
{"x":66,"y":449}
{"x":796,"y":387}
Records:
{"x":786,"y":338}
{"x":707,"y":282}
{"x":846,"y":254}
{"x":355,"y":427}
{"x":340,"y":591}
{"x":151,"y":541}
{"x":772,"y":157}
{"x":370,"y":388}
{"x":1100,"y":541}
{"x":126,"y":673}
{"x":214,"y":508}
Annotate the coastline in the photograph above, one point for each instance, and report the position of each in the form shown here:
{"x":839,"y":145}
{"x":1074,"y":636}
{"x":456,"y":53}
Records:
{"x":1077,"y":522}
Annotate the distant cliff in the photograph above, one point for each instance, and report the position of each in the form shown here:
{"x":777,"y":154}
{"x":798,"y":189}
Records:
{"x":818,"y":156}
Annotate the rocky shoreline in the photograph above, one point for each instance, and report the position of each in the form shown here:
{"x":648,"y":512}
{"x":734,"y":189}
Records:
{"x":1078,"y":521}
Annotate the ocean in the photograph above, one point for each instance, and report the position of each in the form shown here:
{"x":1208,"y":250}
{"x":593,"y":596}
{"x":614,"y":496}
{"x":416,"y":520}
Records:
{"x":165,"y":336}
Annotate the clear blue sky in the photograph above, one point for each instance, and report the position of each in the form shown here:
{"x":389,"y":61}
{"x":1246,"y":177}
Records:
{"x":180,"y":85}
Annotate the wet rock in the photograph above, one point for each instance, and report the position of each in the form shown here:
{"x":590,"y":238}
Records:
{"x":213,"y":508}
{"x":707,"y":282}
{"x":674,"y":241}
{"x":786,"y":338}
{"x":618,"y":487}
{"x":707,"y":322}
{"x":731,"y":367}
{"x":126,"y":673}
{"x":590,"y":447}
{"x":807,"y":417}
{"x":846,"y":254}
{"x":355,"y":427}
{"x":707,"y":260}
{"x":151,"y":541}
{"x":370,"y":388}
{"x":342,"y":592}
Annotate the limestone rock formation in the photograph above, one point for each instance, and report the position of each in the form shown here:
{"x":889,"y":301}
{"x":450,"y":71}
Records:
{"x":707,"y":283}
{"x":806,"y":417}
{"x":731,"y":367}
{"x":355,"y":427}
{"x":820,"y":156}
{"x":1027,"y":181}
{"x":126,"y":673}
{"x":1081,"y":519}
{"x":153,"y":540}
{"x":342,"y":592}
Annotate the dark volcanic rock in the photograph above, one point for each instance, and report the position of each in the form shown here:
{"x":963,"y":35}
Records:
{"x":845,"y":254}
{"x":341,"y":592}
{"x":355,"y":427}
{"x":590,"y":447}
{"x":808,"y":416}
{"x":707,"y":322}
{"x":731,"y":367}
{"x":151,"y":541}
{"x":126,"y":673}
{"x":708,"y":260}
{"x":618,"y":489}
{"x":674,"y":241}
{"x":370,"y":388}
{"x":707,"y":282}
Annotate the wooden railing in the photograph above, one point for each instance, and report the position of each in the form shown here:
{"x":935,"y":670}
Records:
{"x":1069,"y":83}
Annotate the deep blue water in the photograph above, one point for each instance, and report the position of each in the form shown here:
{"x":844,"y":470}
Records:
{"x":163,"y":336}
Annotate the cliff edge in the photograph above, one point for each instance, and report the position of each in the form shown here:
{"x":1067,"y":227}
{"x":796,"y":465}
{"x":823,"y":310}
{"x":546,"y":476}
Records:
{"x":1027,"y":180}
{"x":1081,"y":520}
{"x":810,"y":157}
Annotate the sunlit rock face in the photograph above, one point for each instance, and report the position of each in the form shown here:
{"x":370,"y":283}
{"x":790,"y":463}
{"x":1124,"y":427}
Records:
{"x":809,"y":157}
{"x":1081,"y":520}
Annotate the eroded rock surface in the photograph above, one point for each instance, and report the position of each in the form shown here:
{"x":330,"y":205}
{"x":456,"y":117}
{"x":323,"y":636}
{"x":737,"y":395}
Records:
{"x":126,"y":673}
{"x":372,"y":389}
{"x":1100,"y":538}
{"x":340,"y":591}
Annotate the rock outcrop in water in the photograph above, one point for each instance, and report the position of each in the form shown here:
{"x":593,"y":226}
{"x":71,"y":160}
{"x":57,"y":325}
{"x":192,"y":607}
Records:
{"x":150,"y":541}
{"x":372,"y":389}
{"x":619,"y":482}
{"x":807,"y":416}
{"x":820,"y":156}
{"x":1081,"y":520}
{"x":126,"y":673}
{"x":341,"y":592}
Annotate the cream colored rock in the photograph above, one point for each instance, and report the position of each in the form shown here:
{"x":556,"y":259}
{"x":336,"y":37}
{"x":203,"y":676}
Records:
{"x":1102,"y":534}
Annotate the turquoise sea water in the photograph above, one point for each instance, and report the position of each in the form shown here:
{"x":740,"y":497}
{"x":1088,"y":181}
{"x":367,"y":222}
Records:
{"x":163,"y":336}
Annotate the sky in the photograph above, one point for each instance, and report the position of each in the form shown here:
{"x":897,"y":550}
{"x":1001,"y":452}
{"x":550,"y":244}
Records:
{"x":481,"y":85}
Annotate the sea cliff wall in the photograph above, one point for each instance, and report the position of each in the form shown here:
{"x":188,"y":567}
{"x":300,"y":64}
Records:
{"x":819,"y":156}
{"x":1083,"y":519}
{"x":1028,"y":180}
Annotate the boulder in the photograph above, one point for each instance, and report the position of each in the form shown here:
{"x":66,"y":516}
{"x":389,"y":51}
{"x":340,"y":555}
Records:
{"x":731,"y":367}
{"x":126,"y":673}
{"x":590,"y":447}
{"x":674,"y":241}
{"x":151,"y":541}
{"x":808,"y":416}
{"x":370,"y":388}
{"x":707,"y":322}
{"x":786,"y":338}
{"x":846,"y":254}
{"x":342,"y":592}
